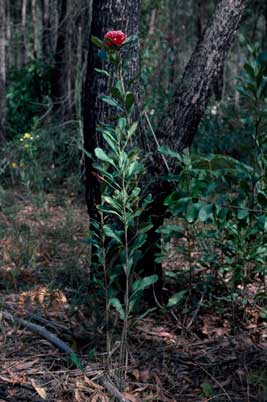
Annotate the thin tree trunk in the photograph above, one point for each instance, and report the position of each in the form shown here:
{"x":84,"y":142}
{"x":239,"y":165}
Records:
{"x":10,"y":50}
{"x":70,"y":57}
{"x":58,"y":89}
{"x":106,"y":15}
{"x":2,"y":70}
{"x":24,"y":32}
{"x":46,"y":45}
{"x":35,"y":29}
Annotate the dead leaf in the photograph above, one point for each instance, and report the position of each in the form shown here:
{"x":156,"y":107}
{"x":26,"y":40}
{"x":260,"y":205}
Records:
{"x":39,"y":389}
{"x":77,"y":396}
{"x":25,"y":365}
{"x":131,"y":397}
{"x":99,"y":398}
{"x":145,"y":375}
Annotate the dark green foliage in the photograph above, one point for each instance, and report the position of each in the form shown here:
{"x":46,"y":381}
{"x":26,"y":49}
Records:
{"x":27,"y":95}
{"x":42,"y":158}
{"x":219,"y":205}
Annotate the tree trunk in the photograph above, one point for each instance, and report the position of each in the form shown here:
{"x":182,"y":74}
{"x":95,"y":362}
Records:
{"x":35,"y":25}
{"x":59,"y":87}
{"x":2,"y":70}
{"x":106,"y":15}
{"x":24,"y":50}
{"x":46,"y":35}
{"x":179,"y":126}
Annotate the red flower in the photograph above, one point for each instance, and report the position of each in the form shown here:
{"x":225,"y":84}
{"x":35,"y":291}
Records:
{"x":115,"y":38}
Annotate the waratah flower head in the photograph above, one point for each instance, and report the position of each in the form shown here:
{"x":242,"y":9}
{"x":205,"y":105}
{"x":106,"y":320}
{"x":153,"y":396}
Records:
{"x":115,"y":38}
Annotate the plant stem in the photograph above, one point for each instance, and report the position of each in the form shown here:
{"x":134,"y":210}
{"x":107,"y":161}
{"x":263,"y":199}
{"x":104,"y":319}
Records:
{"x":106,"y":293}
{"x":123,"y":353}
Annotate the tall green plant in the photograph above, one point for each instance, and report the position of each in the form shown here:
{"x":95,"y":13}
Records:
{"x":118,"y":235}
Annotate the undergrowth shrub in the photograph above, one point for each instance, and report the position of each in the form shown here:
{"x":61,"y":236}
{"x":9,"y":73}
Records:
{"x":27,"y":94}
{"x":219,"y":208}
{"x":40,"y":152}
{"x":41,"y":158}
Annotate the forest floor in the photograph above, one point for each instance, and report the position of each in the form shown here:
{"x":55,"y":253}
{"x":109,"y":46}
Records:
{"x":195,"y":356}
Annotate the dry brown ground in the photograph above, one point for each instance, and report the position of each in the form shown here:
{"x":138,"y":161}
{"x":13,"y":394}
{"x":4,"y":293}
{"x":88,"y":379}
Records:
{"x":173,"y":357}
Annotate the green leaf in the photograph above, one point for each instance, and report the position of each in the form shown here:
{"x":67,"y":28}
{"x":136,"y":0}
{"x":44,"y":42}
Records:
{"x":192,"y":212}
{"x":113,"y":203}
{"x":206,"y":213}
{"x":110,"y":233}
{"x":108,"y":176}
{"x":114,"y":302}
{"x":111,"y":101}
{"x":220,"y":162}
{"x":172,"y":230}
{"x":129,"y":101}
{"x":242,"y":214}
{"x":177,"y":298}
{"x":146,"y":228}
{"x":115,"y":92}
{"x":74,"y":358}
{"x":140,"y":284}
{"x":119,"y":86}
{"x":97,"y":42}
{"x":122,"y":124}
{"x":169,"y":152}
{"x":207,"y":389}
{"x":132,"y":169}
{"x":101,"y":154}
{"x":139,"y":242}
{"x":114,"y":57}
{"x":130,"y":39}
{"x":122,"y":159}
{"x":90,"y":240}
{"x":104,"y":72}
{"x":127,"y":267}
{"x":249,"y":69}
{"x":110,"y":141}
{"x":91,"y":354}
{"x":109,"y":211}
{"x":262,"y":199}
{"x":180,"y":205}
{"x":132,"y":129}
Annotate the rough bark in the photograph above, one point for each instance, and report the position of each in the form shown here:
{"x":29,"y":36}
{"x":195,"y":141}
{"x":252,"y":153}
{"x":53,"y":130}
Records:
{"x":106,"y":15}
{"x":46,"y":43}
{"x":35,"y":25}
{"x":59,"y":74}
{"x":24,"y":49}
{"x":10,"y":50}
{"x":2,"y":70}
{"x":178,"y":127}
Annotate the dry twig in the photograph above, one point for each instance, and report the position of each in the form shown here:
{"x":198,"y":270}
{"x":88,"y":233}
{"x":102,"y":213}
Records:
{"x":38,"y":329}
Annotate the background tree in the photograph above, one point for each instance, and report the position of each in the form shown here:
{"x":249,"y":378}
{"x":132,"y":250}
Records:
{"x":2,"y":70}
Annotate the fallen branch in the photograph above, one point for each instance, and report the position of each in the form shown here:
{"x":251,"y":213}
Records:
{"x":112,"y":390}
{"x":38,"y":329}
{"x":43,"y":332}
